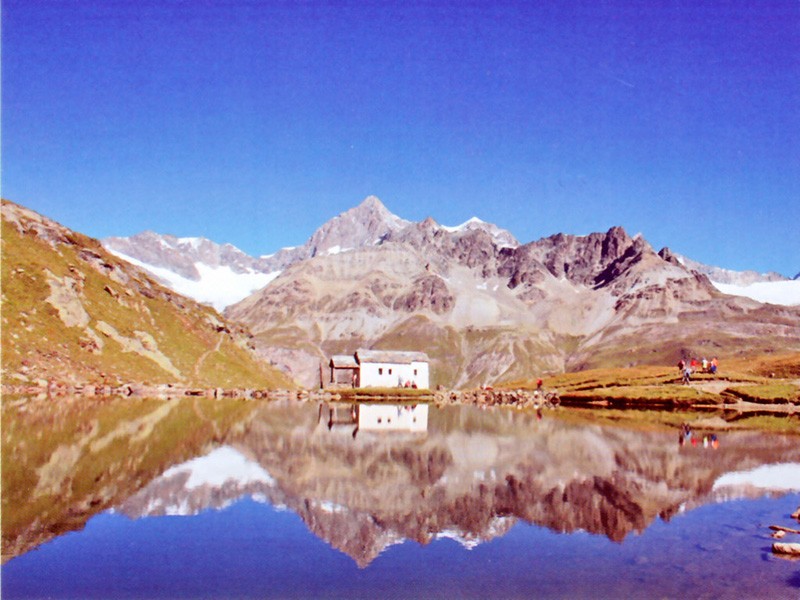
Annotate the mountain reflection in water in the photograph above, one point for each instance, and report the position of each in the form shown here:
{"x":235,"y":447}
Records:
{"x":366,"y":477}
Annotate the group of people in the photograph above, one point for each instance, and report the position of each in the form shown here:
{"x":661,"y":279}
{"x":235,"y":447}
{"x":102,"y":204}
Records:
{"x":694,"y":365}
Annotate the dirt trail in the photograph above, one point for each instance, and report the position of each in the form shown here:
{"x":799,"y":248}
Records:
{"x":204,"y":355}
{"x":715,"y":387}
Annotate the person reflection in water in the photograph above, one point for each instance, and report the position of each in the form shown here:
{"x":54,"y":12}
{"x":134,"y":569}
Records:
{"x":687,"y":436}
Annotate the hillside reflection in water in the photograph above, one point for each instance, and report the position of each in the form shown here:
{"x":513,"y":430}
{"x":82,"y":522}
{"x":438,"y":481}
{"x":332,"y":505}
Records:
{"x":410,"y":496}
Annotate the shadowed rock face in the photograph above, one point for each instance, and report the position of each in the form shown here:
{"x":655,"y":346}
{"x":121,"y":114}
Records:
{"x":471,"y":477}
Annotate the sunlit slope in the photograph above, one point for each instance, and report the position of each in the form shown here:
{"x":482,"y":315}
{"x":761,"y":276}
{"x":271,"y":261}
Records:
{"x":73,"y":313}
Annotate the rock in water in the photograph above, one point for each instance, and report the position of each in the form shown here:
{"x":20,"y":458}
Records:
{"x":786,"y":548}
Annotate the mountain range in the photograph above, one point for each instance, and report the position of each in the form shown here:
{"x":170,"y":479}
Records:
{"x":484,"y":306}
{"x":221,"y":274}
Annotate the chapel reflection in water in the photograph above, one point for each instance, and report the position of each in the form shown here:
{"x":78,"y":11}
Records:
{"x":375,"y":417}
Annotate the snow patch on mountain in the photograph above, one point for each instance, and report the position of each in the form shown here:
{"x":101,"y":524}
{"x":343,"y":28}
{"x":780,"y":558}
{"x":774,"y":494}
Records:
{"x":503,"y":238}
{"x":194,"y":242}
{"x":785,"y":293}
{"x":218,"y":286}
{"x":336,"y":250}
{"x":465,"y":225}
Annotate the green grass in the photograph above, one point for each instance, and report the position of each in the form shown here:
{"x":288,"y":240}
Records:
{"x":384,"y":394}
{"x":441,"y":344}
{"x":778,"y":392}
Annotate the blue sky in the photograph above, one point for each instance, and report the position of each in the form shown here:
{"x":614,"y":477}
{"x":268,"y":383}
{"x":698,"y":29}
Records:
{"x":254,"y":122}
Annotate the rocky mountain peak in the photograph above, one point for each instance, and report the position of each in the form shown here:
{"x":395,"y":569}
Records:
{"x":373,"y":204}
{"x":500,"y":237}
{"x":669,"y":256}
{"x":616,"y":242}
{"x":429,"y":223}
{"x":589,"y":260}
{"x":364,"y":225}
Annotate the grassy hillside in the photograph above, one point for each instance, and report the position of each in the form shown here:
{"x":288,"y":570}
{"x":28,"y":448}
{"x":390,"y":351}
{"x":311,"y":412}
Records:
{"x":73,"y":313}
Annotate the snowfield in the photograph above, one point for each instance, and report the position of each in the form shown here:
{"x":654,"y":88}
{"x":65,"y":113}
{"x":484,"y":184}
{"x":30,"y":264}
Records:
{"x":220,"y":287}
{"x":786,"y":293}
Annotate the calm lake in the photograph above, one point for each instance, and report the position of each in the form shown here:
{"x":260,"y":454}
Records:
{"x":201,"y":498}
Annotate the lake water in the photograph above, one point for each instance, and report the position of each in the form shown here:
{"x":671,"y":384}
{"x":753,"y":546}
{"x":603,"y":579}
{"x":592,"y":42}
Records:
{"x":198,"y":498}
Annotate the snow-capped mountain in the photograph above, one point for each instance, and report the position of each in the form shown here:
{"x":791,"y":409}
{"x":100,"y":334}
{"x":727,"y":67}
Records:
{"x":222,"y":275}
{"x":772,"y":288}
{"x":501,"y":237}
{"x":186,"y":488}
{"x":211,"y":273}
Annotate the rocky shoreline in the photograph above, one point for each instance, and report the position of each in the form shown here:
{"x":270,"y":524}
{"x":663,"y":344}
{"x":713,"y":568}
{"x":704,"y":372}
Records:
{"x":521,"y":399}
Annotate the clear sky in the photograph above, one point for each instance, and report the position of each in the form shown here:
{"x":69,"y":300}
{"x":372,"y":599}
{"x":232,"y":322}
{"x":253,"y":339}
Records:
{"x":254,"y":122}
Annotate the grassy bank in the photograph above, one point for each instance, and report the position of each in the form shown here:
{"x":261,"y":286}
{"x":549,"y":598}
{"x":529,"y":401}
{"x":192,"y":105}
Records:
{"x":661,"y":387}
